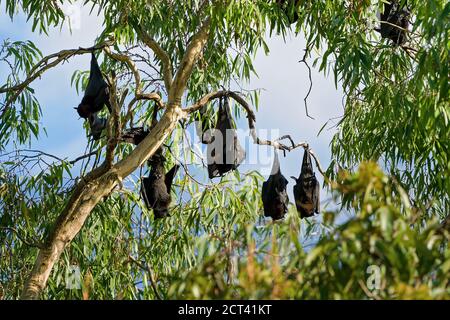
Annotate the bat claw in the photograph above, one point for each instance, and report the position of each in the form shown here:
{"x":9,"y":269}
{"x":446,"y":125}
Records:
{"x":290,"y":140}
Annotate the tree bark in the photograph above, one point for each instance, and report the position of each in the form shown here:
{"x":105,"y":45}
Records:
{"x":101,"y":181}
{"x":85,"y":197}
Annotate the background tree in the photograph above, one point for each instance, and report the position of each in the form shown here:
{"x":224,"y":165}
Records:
{"x":174,"y":57}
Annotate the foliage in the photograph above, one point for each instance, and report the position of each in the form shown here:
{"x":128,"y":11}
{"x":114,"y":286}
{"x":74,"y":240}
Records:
{"x":216,"y":244}
{"x":413,"y":264}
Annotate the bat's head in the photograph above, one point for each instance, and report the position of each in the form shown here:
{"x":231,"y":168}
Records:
{"x":83,"y":110}
{"x":160,"y":213}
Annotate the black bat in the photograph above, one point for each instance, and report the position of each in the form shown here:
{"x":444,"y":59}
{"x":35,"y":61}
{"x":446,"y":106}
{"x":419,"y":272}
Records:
{"x":395,"y":13}
{"x":274,"y":194}
{"x":307,"y":189}
{"x":224,"y":151}
{"x":97,"y":124}
{"x":96,"y":95}
{"x":290,"y":8}
{"x":155,"y":189}
{"x":134,"y":135}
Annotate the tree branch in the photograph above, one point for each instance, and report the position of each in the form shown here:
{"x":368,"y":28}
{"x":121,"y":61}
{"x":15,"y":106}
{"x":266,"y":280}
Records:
{"x":131,"y":65}
{"x":84,"y":156}
{"x":162,"y":55}
{"x":305,"y":99}
{"x":43,"y":66}
{"x":251,"y":124}
{"x":30,"y":244}
{"x":188,"y":61}
{"x":150,"y":272}
{"x":102,"y":180}
{"x":114,"y":128}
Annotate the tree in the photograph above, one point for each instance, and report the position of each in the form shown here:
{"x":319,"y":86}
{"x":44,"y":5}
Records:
{"x":396,"y":112}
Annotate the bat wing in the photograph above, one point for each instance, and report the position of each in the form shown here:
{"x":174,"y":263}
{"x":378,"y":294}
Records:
{"x":169,"y":177}
{"x":239,"y":152}
{"x":214,"y":154}
{"x":286,"y":197}
{"x":162,"y":197}
{"x":97,"y":125}
{"x":387,"y":7}
{"x":301,"y":199}
{"x":234,"y":154}
{"x":96,"y":82}
{"x":316,"y":197}
{"x":146,"y":192}
{"x":102,"y":98}
{"x":265,"y":195}
{"x":279,"y":198}
{"x":134,"y":135}
{"x":307,"y":167}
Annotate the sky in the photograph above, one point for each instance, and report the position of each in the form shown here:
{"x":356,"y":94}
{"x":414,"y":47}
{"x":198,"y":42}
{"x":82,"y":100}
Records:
{"x":283,"y":79}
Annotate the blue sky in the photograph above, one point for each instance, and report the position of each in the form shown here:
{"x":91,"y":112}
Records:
{"x":283,"y":79}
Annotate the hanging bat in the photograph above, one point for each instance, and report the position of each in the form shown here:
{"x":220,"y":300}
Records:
{"x":290,"y":8}
{"x":155,"y":189}
{"x":134,"y":135}
{"x":395,"y":13}
{"x":224,"y":151}
{"x":96,"y":124}
{"x":96,"y":95}
{"x":307,"y":189}
{"x":274,"y":194}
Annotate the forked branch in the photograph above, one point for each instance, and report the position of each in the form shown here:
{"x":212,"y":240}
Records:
{"x":43,"y":65}
{"x":251,"y":124}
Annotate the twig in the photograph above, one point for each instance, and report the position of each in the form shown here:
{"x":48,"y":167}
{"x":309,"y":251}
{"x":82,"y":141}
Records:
{"x":160,"y":53}
{"x":84,"y":156}
{"x":251,"y":123}
{"x":310,"y":81}
{"x":43,"y":65}
{"x":31,"y":244}
{"x":152,"y":280}
{"x":114,"y":128}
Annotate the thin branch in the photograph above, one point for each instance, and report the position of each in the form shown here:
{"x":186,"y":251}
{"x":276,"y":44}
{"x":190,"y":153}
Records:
{"x":114,"y":128}
{"x":84,"y":156}
{"x":367,"y":291}
{"x":26,"y":242}
{"x":193,"y":51}
{"x":160,"y":53}
{"x":251,"y":124}
{"x":310,"y":81}
{"x":131,"y":65}
{"x":150,"y":272}
{"x":143,"y":96}
{"x":43,"y":66}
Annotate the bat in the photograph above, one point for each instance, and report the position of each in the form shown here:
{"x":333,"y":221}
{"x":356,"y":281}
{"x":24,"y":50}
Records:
{"x":394,"y":14}
{"x":97,"y":124}
{"x":224,"y":151}
{"x":134,"y":135}
{"x":155,"y":189}
{"x":96,"y":95}
{"x":307,"y":189}
{"x":274,"y":194}
{"x":289,"y":7}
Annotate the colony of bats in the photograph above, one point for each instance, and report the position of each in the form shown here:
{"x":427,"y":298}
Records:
{"x":223,"y":148}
